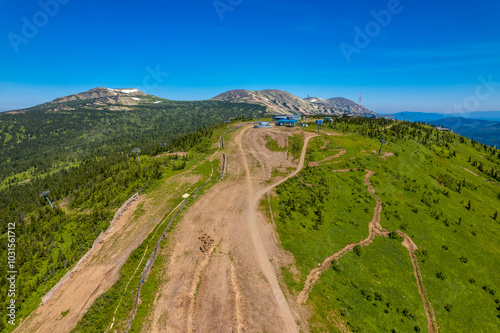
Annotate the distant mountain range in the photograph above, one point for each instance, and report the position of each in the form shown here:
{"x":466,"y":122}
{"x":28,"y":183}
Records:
{"x":423,"y":117}
{"x":103,"y":121}
{"x":99,"y":99}
{"x":483,"y":131}
{"x":482,"y":126}
{"x":282,"y":102}
{"x":275,"y":101}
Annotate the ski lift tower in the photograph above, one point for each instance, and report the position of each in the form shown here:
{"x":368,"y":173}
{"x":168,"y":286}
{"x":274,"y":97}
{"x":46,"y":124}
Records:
{"x":381,"y":144}
{"x":44,"y":194}
{"x":135,"y":150}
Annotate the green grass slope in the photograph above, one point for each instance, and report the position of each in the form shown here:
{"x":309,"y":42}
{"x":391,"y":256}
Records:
{"x":441,"y":189}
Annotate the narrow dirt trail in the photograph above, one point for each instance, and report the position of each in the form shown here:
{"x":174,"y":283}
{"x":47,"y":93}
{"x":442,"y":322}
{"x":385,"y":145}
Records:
{"x":237,"y":300}
{"x":374,"y":228}
{"x":340,"y":153}
{"x":432,"y":325}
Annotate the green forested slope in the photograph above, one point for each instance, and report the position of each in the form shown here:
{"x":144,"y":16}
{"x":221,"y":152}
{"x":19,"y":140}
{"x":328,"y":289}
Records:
{"x":441,"y":189}
{"x":40,"y":139}
{"x":83,"y":157}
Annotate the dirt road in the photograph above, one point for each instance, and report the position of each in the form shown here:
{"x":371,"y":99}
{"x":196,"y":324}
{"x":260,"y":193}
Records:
{"x":101,"y":269}
{"x":234,"y":286}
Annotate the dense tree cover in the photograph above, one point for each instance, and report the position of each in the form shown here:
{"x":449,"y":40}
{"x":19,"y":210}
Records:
{"x":49,"y":241}
{"x":39,"y":139}
{"x":440,"y":142}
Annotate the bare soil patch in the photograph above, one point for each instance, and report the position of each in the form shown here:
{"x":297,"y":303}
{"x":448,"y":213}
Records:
{"x":237,"y":288}
{"x":179,"y":153}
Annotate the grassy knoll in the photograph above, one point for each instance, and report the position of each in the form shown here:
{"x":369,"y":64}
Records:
{"x":374,"y":291}
{"x":309,"y":221}
{"x":425,"y":189}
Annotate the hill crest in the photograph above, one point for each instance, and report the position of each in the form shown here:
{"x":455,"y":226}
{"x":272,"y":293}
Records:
{"x":282,"y":102}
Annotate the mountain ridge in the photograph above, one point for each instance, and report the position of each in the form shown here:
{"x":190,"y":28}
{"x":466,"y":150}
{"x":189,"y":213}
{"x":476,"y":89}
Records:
{"x":99,"y":98}
{"x":282,"y":102}
{"x":276,"y":102}
{"x":483,"y":131}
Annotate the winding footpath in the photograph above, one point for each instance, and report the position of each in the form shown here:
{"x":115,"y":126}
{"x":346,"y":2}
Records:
{"x":375,"y":229}
{"x":340,"y":153}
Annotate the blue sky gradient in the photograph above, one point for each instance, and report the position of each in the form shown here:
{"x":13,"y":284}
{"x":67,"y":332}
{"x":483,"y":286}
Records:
{"x":430,"y":57}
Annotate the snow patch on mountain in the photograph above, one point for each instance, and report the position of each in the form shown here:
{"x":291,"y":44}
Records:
{"x":125,"y":91}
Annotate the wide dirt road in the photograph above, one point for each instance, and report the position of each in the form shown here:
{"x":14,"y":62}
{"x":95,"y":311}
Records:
{"x":229,"y":284}
{"x":101,"y":269}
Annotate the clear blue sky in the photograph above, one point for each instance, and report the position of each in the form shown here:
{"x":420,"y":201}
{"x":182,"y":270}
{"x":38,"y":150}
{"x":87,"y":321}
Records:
{"x":427,"y":58}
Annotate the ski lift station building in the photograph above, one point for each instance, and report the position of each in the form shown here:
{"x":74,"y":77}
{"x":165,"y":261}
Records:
{"x":286,"y":122}
{"x":278,"y":117}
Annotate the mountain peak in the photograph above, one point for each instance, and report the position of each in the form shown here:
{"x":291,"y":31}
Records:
{"x":282,"y":102}
{"x":99,"y":93}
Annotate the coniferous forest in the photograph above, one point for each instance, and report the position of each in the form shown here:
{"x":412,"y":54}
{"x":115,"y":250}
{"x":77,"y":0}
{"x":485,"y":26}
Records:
{"x":84,"y":158}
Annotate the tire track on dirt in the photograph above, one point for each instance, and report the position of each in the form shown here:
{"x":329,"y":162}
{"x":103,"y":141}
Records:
{"x":194,"y":286}
{"x":237,"y":300}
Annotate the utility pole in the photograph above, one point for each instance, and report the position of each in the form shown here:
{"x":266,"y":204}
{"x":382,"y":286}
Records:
{"x":359,"y":104}
{"x":44,"y":194}
{"x":381,"y":143}
{"x":135,"y":150}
